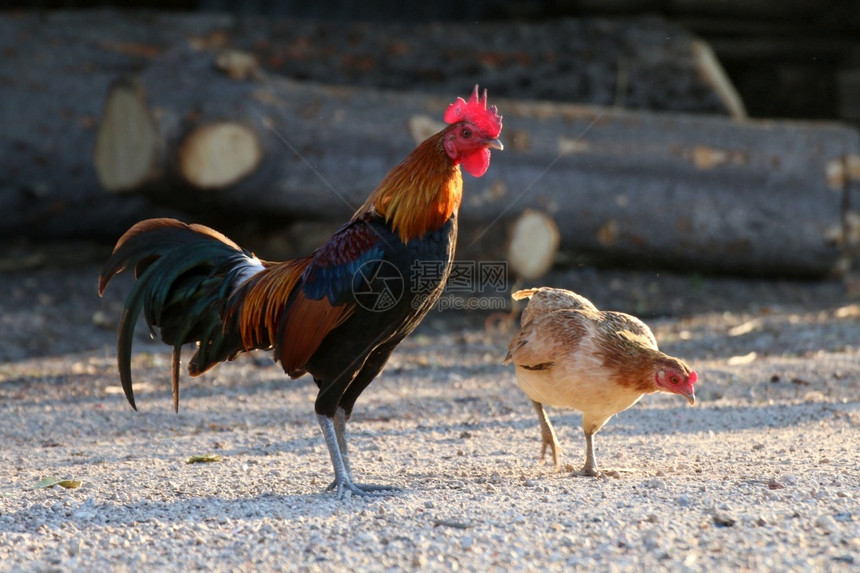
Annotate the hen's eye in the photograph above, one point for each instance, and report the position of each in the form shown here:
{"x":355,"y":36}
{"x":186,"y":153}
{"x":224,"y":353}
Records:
{"x":675,"y":379}
{"x":466,"y":134}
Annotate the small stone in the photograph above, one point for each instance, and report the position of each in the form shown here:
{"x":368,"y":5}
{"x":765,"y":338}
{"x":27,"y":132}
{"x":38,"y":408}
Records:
{"x":683,"y":500}
{"x":827,"y":523}
{"x":366,"y":538}
{"x":724,"y":519}
{"x":651,"y":540}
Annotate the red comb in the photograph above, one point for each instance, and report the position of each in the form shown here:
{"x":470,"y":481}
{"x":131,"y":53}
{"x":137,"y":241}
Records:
{"x":693,"y":377}
{"x":476,"y":111}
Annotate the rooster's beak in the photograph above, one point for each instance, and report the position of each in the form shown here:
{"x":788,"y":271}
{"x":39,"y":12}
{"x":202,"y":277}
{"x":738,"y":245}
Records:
{"x":691,"y":397}
{"x":495,"y":144}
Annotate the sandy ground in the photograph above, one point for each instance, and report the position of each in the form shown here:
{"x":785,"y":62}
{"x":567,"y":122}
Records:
{"x":763,"y":474}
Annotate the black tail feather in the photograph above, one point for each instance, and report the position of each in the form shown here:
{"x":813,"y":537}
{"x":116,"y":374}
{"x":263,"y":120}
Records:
{"x":185,"y":273}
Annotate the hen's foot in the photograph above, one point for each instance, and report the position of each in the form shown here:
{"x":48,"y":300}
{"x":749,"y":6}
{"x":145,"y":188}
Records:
{"x":549,"y":444}
{"x":596,"y":473}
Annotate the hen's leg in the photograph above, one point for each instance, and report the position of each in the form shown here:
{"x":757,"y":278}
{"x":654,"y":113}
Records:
{"x":590,"y":467}
{"x":547,"y":433}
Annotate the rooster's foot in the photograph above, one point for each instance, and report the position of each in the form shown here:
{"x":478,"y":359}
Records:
{"x":360,"y":489}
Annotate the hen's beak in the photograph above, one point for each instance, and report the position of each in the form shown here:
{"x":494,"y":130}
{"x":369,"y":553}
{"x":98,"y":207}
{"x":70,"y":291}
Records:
{"x":495,"y":144}
{"x":690,"y":396}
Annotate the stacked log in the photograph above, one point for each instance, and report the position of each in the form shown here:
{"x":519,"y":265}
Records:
{"x":693,"y":192}
{"x":190,"y":124}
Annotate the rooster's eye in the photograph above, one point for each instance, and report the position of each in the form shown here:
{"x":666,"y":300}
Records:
{"x":466,"y":134}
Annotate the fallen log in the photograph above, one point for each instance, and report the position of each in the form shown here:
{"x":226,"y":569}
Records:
{"x":57,"y":67}
{"x":533,"y":244}
{"x":691,"y":192}
{"x":699,"y":193}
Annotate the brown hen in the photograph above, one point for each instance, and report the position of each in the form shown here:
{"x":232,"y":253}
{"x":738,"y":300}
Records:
{"x":569,"y":354}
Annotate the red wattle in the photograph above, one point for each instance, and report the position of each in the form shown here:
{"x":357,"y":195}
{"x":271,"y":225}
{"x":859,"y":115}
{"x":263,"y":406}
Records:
{"x":477,"y":163}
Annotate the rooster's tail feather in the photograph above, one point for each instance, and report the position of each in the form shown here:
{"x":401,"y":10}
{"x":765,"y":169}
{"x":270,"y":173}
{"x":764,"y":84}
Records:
{"x":185,"y":274}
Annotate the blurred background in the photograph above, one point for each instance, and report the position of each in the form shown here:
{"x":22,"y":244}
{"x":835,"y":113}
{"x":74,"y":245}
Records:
{"x":707,"y":136}
{"x":787,"y":58}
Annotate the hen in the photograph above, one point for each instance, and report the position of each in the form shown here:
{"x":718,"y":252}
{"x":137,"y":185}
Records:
{"x":337,"y":313}
{"x":569,"y":354}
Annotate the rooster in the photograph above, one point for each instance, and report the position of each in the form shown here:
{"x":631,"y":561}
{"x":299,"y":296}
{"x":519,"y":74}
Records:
{"x":568,"y":353}
{"x":196,"y":285}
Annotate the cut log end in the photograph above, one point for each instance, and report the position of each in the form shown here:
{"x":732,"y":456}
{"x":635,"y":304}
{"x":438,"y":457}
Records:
{"x":421,"y":127}
{"x":127,"y":142}
{"x":534,"y":242}
{"x":216,"y":155}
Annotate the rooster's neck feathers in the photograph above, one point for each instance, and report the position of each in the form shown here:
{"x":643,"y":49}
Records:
{"x":420,"y":194}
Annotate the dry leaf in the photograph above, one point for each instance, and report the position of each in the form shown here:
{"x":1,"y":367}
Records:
{"x":49,"y":482}
{"x":208,"y":458}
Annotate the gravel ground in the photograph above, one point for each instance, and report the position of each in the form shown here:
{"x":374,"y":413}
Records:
{"x":761,"y":475}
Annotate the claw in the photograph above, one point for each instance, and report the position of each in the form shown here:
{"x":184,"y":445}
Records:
{"x":335,"y":438}
{"x":361,"y":489}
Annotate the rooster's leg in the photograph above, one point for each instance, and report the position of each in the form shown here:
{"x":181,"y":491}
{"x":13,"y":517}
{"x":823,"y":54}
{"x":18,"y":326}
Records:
{"x":547,"y":433}
{"x":334,"y":431}
{"x":340,"y":433}
{"x":342,"y":480}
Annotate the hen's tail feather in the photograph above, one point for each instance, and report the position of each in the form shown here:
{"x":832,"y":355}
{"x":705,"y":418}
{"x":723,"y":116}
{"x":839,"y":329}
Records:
{"x":185,"y":275}
{"x":524,"y":293}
